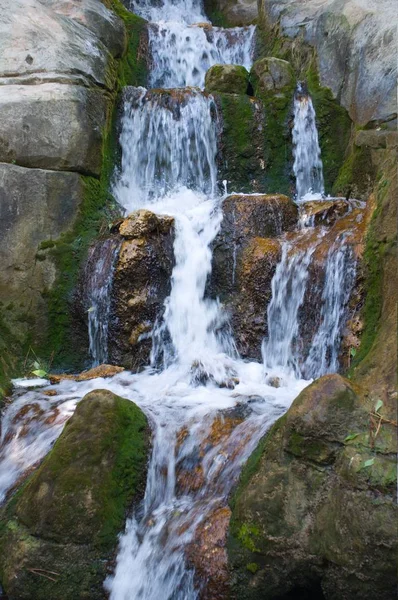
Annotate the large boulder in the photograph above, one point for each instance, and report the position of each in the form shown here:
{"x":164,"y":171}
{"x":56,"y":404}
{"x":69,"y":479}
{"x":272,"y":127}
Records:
{"x":271,"y":75}
{"x":231,"y":13}
{"x":35,"y":205}
{"x":315,"y":510}
{"x":61,"y":528}
{"x":355,"y":42}
{"x":231,"y":79}
{"x":52,"y":126}
{"x":142,"y":282}
{"x":245,"y":255}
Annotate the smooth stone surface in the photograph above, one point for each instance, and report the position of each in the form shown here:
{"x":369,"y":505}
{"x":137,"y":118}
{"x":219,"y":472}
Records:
{"x":234,"y":12}
{"x":356,"y":42}
{"x":52,"y":126}
{"x":38,"y":45}
{"x":35,"y":205}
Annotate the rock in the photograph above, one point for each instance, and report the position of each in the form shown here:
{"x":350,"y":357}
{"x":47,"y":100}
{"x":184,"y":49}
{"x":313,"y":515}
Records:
{"x":231,"y":13}
{"x":35,"y":205}
{"x":94,"y":15}
{"x":65,"y":521}
{"x":346,"y":35}
{"x":244,"y":261}
{"x":376,"y":138}
{"x":100,"y":371}
{"x":241,"y":159}
{"x":144,"y":222}
{"x":208,"y":555}
{"x":142,"y":282}
{"x":52,"y":126}
{"x":318,"y":486}
{"x":230,"y":79}
{"x":323,"y":212}
{"x":60,"y":49}
{"x":271,"y":75}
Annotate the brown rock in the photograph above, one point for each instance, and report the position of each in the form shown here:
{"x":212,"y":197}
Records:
{"x":100,"y":371}
{"x":142,"y":281}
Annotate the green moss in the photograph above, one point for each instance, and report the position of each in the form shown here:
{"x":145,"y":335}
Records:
{"x":242,"y":146}
{"x":357,"y":174}
{"x":247,"y":534}
{"x":69,"y":513}
{"x":252,"y":567}
{"x":11,"y":352}
{"x":133,"y":68}
{"x":373,"y":261}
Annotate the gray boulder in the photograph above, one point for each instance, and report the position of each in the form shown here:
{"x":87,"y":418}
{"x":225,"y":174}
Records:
{"x":356,"y":44}
{"x":52,"y":126}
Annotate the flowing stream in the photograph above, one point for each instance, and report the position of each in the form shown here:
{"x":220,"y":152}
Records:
{"x":207,"y":407}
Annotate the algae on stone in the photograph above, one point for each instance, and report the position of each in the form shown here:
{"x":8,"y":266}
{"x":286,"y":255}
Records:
{"x":67,"y":516}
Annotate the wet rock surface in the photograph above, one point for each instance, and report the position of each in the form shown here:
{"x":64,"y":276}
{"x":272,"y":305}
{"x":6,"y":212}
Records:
{"x":320,"y":482}
{"x":141,"y":285}
{"x":61,"y":528}
{"x":245,"y":256}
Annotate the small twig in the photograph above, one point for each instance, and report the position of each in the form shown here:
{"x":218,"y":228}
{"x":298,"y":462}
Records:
{"x":42,"y":573}
{"x":373,"y":414}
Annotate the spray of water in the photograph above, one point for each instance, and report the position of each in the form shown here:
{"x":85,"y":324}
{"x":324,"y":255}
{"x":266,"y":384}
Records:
{"x":307,"y":167}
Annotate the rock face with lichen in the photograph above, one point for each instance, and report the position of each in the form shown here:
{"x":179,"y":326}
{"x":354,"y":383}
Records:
{"x":60,"y":530}
{"x":315,"y":509}
{"x":142,"y":282}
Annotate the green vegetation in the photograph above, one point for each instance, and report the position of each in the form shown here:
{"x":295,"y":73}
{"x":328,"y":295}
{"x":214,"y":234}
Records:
{"x":67,"y":516}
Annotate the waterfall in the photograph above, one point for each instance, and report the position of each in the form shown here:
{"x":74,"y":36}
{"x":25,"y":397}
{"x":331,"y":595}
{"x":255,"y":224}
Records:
{"x":307,"y":167}
{"x":183,"y":53}
{"x":168,"y":140}
{"x":288,"y":287}
{"x":208,"y":408}
{"x":340,"y":274}
{"x":98,"y":284}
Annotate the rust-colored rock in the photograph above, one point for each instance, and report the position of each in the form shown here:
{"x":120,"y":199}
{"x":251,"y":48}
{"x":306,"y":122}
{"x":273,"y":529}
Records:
{"x":100,"y":371}
{"x":142,"y":282}
{"x":208,"y":555}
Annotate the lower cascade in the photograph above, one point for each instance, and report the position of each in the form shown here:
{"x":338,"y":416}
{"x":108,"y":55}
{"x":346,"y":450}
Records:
{"x":207,"y":407}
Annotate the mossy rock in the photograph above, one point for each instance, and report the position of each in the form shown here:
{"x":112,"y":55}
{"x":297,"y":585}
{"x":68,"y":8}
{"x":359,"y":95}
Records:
{"x":317,"y":488}
{"x":230,"y":79}
{"x":67,"y":517}
{"x":271,"y":75}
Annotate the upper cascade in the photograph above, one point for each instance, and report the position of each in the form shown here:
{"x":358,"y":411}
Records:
{"x":168,"y":141}
{"x":307,"y":167}
{"x":184,"y":45}
{"x":182,"y":54}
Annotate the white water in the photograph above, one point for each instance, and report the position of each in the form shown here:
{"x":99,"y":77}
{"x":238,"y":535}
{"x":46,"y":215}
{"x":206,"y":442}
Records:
{"x":340,"y":271}
{"x":183,"y":53}
{"x":288,"y":289}
{"x":98,"y":285}
{"x":169,"y":142}
{"x":307,"y":166}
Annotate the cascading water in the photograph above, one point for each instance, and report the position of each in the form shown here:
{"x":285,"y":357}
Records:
{"x":169,"y":166}
{"x":183,"y":53}
{"x":288,"y":288}
{"x":340,"y":274}
{"x":184,"y":45}
{"x":307,"y":167}
{"x":98,"y":284}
